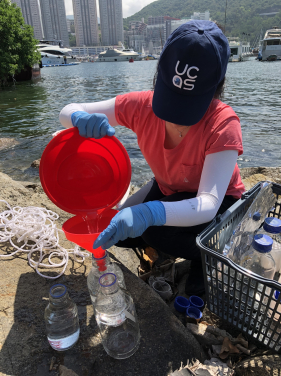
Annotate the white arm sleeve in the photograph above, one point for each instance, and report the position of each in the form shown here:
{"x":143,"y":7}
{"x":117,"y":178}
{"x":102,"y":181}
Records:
{"x":215,"y":178}
{"x":105,"y":107}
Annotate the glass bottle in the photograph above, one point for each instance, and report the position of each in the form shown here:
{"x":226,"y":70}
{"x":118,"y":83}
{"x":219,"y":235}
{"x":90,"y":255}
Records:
{"x":61,"y":318}
{"x":101,"y":266}
{"x":272,"y":228}
{"x":116,"y":318}
{"x":258,"y":258}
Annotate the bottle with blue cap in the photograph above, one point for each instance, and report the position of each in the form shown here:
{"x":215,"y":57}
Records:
{"x":61,"y":319}
{"x":101,"y":266}
{"x":116,"y":318}
{"x":272,"y":228}
{"x":241,"y":241}
{"x":258,"y":258}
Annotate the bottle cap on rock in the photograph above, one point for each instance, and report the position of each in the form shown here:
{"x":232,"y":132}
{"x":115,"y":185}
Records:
{"x":262,"y":243}
{"x":272,"y":225}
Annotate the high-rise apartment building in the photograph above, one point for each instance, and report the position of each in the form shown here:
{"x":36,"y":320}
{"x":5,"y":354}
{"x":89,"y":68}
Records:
{"x":31,"y":14}
{"x":111,"y":20}
{"x":86,"y":22}
{"x":54,"y":20}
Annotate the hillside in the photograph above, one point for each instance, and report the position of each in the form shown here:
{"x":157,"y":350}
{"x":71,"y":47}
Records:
{"x":242,"y":16}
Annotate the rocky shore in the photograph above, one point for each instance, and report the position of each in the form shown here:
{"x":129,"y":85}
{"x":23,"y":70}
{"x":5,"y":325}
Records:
{"x":166,"y":343}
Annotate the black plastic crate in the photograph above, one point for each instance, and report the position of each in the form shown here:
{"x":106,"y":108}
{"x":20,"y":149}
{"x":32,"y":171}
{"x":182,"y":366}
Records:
{"x":243,"y":300}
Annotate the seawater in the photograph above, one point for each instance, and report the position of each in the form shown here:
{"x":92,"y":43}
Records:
{"x":29,"y":112}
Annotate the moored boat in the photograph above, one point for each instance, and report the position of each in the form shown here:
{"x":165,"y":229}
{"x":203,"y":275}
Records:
{"x":271,"y":45}
{"x":53,"y":53}
{"x":239,"y":50}
{"x":114,"y":54}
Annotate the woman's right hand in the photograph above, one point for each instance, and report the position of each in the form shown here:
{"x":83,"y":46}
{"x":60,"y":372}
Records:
{"x":92,"y":125}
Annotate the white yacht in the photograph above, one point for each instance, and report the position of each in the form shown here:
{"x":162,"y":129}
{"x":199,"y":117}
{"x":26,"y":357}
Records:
{"x":240,"y":50}
{"x":271,"y":45}
{"x":53,"y":53}
{"x":114,"y":54}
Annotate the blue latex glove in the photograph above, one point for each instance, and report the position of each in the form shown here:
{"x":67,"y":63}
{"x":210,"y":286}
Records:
{"x":131,"y":222}
{"x":92,"y":125}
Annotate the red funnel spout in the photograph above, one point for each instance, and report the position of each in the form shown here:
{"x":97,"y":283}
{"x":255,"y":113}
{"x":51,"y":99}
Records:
{"x":76,"y":230}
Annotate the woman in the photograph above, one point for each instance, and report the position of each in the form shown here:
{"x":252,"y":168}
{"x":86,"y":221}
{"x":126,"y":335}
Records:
{"x":189,"y":138}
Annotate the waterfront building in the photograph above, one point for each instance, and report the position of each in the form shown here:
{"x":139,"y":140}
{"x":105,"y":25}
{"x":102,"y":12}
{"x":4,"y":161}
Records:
{"x":86,"y":22}
{"x":156,"y":32}
{"x":70,"y":24}
{"x":31,"y":14}
{"x":172,"y":25}
{"x":201,"y":16}
{"x":111,"y":21}
{"x":135,"y":36}
{"x":54,"y":20}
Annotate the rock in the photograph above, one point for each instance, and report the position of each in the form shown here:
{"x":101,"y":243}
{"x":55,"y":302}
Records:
{"x":271,"y":173}
{"x":253,"y":180}
{"x":204,"y":337}
{"x":36,"y":163}
{"x":5,"y":143}
{"x":66,"y":372}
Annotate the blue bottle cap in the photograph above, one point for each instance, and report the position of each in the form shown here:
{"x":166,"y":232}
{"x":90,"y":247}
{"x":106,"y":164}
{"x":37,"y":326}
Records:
{"x":194,"y":313}
{"x":197,"y":302}
{"x":181,"y":303}
{"x":257,"y":216}
{"x":262,"y":243}
{"x":272,"y":225}
{"x":276,"y":294}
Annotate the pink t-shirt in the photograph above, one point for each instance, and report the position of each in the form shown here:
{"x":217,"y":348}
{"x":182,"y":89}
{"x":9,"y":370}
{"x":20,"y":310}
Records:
{"x":179,"y":169}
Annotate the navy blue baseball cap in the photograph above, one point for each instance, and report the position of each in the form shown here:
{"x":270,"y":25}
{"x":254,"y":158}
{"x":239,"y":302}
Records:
{"x":192,"y":64}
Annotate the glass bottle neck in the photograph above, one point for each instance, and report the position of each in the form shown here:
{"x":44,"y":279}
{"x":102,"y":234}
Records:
{"x":108,"y":284}
{"x":59,"y":301}
{"x":101,"y":264}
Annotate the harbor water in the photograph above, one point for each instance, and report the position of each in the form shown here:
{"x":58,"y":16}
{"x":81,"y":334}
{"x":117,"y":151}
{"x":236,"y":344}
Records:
{"x":29,"y":112}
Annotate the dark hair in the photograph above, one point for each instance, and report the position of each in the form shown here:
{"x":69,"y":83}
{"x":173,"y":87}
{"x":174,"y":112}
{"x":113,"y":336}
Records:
{"x":218,"y":93}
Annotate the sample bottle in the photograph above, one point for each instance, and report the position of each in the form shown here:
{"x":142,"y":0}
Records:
{"x":272,"y":228}
{"x":258,"y":258}
{"x":61,"y":318}
{"x":101,"y":266}
{"x":116,"y":318}
{"x":241,"y":241}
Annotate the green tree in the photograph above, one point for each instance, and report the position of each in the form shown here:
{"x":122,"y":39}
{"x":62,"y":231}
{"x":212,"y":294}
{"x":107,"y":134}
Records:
{"x":18,"y":46}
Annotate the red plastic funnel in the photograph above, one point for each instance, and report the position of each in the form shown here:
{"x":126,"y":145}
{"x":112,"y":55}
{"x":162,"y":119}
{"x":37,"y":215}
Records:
{"x":78,"y":230}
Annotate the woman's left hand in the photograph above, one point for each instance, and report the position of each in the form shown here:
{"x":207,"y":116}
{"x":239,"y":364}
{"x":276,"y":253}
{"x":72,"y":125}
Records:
{"x":131,"y":222}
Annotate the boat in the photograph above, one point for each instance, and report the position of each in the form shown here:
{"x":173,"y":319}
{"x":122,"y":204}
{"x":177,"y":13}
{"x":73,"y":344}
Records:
{"x":114,"y":54}
{"x":271,"y":45}
{"x":150,"y":57}
{"x":239,"y":50}
{"x":54,"y":54}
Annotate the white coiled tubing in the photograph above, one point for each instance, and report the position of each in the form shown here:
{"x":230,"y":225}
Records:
{"x":34,"y":228}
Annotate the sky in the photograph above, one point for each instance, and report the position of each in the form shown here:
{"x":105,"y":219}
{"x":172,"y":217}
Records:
{"x":130,"y":7}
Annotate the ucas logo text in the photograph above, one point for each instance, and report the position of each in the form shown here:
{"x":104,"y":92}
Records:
{"x":182,"y":83}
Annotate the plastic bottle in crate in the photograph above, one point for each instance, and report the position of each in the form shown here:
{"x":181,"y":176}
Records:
{"x":242,"y":240}
{"x":272,"y":228}
{"x":258,"y":258}
{"x":116,"y":318}
{"x":99,"y":267}
{"x":242,"y":236}
{"x":61,"y":318}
